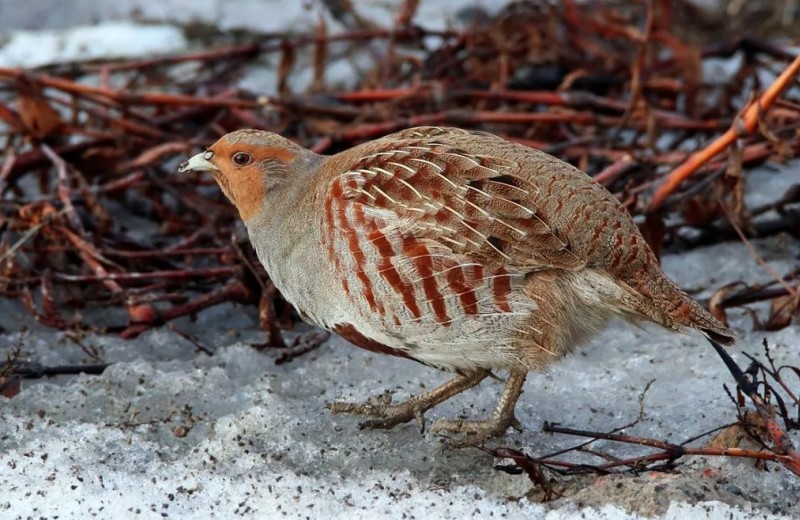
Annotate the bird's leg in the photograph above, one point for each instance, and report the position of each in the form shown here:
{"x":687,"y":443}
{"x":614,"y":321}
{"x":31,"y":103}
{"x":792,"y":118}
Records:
{"x":390,"y":415}
{"x":475,"y":432}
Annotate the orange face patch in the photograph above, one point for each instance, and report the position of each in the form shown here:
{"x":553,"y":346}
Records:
{"x":246,"y":185}
{"x":247,"y":191}
{"x":283,"y":155}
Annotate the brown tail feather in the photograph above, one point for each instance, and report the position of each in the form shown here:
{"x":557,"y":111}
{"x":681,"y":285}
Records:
{"x":725,"y":338}
{"x":665,"y":303}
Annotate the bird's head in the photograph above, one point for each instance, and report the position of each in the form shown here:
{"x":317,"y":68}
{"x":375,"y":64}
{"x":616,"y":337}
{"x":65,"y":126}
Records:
{"x":249,"y":165}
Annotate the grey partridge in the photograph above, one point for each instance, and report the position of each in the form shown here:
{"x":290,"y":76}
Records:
{"x":455,"y":248}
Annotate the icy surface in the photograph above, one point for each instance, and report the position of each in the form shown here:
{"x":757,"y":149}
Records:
{"x":254,"y":15}
{"x":259,"y":441}
{"x":108,"y":41}
{"x":46,"y":32}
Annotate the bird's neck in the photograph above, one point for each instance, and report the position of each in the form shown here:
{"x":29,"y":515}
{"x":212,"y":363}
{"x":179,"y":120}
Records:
{"x":276,"y":236}
{"x":286,"y":237}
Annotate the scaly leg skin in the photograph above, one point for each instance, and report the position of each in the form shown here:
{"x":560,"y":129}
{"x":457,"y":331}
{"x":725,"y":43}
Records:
{"x":390,"y":415}
{"x":476,"y":432}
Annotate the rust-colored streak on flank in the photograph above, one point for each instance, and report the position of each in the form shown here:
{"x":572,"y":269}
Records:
{"x":469,"y":302}
{"x":385,"y":251}
{"x":422,"y":259}
{"x":388,"y":271}
{"x":502,"y":288}
{"x":329,"y":232}
{"x":392,"y":277}
{"x":354,"y":248}
{"x":477,"y":273}
{"x":407,"y":293}
{"x":349,"y":332}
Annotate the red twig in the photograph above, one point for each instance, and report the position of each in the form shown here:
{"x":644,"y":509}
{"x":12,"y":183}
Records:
{"x":745,"y":125}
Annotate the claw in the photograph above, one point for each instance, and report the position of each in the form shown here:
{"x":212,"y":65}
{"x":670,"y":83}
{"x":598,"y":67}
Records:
{"x":420,"y":417}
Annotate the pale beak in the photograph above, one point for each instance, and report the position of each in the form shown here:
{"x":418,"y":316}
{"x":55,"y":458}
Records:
{"x":198,"y":163}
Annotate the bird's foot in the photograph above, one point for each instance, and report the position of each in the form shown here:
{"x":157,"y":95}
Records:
{"x":477,"y":432}
{"x":387,"y":415}
{"x":473,"y":433}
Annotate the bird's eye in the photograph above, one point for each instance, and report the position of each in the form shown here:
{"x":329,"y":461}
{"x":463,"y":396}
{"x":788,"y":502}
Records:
{"x":242,"y":159}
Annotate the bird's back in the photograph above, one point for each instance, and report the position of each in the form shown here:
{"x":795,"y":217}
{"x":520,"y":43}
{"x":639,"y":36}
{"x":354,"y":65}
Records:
{"x":461,"y":202}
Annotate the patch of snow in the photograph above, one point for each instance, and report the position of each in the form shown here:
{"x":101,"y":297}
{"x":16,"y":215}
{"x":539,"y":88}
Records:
{"x":107,"y":41}
{"x":260,"y":441}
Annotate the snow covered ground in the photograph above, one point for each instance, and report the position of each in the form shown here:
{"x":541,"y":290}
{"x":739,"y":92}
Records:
{"x":259,"y":442}
{"x":169,"y":431}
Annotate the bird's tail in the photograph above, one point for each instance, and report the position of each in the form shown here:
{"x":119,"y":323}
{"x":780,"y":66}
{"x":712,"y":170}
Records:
{"x":665,"y":303}
{"x":689,"y":313}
